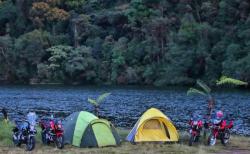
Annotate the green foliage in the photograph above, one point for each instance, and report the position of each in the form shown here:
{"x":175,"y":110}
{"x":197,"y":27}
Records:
{"x":5,"y":133}
{"x":148,"y":42}
{"x":222,"y":81}
{"x":74,"y":3}
{"x":203,"y":86}
{"x":195,"y":91}
{"x":205,"y":90}
{"x":99,"y":100}
{"x":226,"y":80}
{"x":7,"y":10}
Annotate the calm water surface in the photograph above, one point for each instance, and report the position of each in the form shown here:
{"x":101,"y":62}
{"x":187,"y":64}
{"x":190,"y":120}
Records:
{"x":125,"y":105}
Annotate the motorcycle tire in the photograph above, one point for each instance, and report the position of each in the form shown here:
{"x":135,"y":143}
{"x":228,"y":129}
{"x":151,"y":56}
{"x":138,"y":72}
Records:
{"x":211,"y":140}
{"x":197,"y":139}
{"x":225,"y":138}
{"x":44,"y":140}
{"x":59,"y":142}
{"x":16,"y":142}
{"x":191,"y":140}
{"x":31,"y":142}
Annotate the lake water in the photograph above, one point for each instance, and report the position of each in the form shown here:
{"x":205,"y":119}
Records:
{"x":125,"y":105}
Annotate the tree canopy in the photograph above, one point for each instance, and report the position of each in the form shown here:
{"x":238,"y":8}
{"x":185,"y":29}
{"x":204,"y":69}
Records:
{"x":143,"y":42}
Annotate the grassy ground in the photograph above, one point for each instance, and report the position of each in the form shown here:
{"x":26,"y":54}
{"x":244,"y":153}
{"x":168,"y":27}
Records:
{"x":238,"y":145}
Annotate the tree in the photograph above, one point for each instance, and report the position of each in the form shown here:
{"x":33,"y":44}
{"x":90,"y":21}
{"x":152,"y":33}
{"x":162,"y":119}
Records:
{"x":80,"y":64}
{"x":74,"y":3}
{"x":29,"y":50}
{"x":118,"y":60}
{"x":206,"y":91}
{"x":159,"y":30}
{"x":38,"y":13}
{"x":80,"y":28}
{"x":56,"y":62}
{"x":42,"y":13}
{"x":55,"y":15}
{"x":7,"y":58}
{"x":96,"y":102}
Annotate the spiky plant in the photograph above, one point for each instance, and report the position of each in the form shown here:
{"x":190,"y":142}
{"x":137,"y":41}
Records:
{"x":96,"y":102}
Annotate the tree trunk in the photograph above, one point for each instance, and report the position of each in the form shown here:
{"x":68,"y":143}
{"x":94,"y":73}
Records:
{"x":53,"y":29}
{"x":76,"y":44}
{"x":162,"y":48}
{"x":97,"y":111}
{"x":211,"y":103}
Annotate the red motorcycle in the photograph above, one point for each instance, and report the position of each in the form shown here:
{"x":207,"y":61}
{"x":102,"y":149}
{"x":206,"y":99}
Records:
{"x":196,"y":127}
{"x":52,"y":132}
{"x":219,"y":130}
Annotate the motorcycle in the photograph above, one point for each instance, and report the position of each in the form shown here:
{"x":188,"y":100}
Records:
{"x":24,"y":133}
{"x":196,"y":127}
{"x":52,"y":132}
{"x":220,"y":130}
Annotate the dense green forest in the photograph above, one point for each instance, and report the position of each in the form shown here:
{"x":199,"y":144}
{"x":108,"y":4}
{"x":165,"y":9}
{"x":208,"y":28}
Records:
{"x":143,"y":42}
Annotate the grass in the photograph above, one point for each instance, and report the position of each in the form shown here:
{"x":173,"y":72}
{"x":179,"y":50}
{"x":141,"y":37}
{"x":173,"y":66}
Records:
{"x":237,"y":144}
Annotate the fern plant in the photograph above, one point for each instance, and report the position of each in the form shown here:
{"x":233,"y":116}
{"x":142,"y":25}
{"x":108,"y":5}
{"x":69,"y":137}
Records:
{"x":96,"y":102}
{"x":204,"y":89}
{"x":227,"y":80}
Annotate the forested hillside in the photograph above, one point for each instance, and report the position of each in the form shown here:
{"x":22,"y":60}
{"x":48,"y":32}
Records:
{"x":143,"y":42}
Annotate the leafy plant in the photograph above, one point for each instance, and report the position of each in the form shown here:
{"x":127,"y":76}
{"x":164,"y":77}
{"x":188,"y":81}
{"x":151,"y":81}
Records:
{"x":205,"y":90}
{"x":227,"y":80}
{"x":96,"y":102}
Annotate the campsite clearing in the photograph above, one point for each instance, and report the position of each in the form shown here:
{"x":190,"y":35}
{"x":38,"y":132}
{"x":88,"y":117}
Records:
{"x":237,"y":144}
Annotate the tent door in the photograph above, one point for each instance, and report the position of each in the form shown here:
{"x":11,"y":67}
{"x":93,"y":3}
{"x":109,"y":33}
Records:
{"x":103,"y":135}
{"x":152,"y":130}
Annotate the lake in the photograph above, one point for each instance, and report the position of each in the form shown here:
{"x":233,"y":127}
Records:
{"x":126,"y":104}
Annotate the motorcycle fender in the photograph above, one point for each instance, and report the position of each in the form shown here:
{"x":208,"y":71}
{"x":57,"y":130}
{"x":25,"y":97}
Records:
{"x":30,"y":135}
{"x":194,"y":133}
{"x":59,"y":134}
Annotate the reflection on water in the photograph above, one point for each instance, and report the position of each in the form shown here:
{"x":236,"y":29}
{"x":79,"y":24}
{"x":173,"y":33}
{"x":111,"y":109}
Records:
{"x":124,"y":105}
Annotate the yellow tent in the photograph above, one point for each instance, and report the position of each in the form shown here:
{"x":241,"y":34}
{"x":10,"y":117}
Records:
{"x":153,"y":126}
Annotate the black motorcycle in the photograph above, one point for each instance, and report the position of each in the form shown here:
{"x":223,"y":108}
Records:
{"x":24,"y":133}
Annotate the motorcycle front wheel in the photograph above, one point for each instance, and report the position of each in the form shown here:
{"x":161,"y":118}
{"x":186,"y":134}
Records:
{"x":211,"y":140}
{"x":31,"y":142}
{"x":59,"y":142}
{"x":191,"y":140}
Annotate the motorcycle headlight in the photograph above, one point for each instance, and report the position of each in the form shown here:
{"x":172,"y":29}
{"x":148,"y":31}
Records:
{"x":32,"y":128}
{"x":59,"y":126}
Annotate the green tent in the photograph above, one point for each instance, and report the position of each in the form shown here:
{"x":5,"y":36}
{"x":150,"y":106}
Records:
{"x":83,"y":129}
